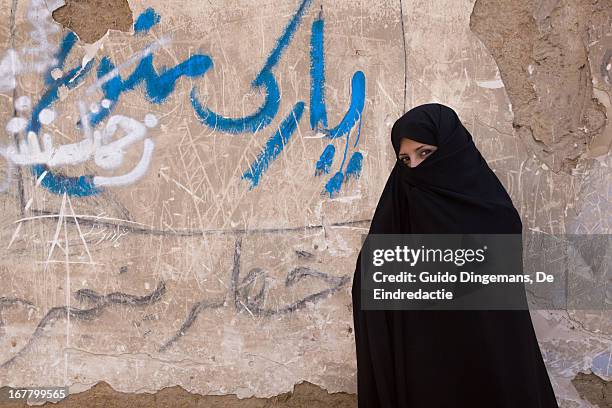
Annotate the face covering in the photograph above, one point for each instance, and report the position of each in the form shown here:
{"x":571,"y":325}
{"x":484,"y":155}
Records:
{"x":452,"y":191}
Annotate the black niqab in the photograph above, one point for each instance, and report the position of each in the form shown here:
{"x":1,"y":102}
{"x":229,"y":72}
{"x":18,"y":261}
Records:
{"x":436,"y":359}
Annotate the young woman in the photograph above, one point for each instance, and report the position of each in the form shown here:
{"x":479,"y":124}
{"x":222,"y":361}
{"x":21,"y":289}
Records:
{"x":441,"y":184}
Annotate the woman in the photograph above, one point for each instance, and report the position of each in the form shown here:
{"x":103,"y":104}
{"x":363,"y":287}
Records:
{"x":432,"y":359}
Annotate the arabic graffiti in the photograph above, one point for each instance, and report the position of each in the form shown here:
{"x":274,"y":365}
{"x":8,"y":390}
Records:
{"x":244,"y":297}
{"x":319,"y":114}
{"x":158,"y":85}
{"x":246,"y":294}
{"x":106,"y":154}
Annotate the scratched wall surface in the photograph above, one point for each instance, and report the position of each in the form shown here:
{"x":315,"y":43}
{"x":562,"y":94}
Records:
{"x":183,"y":200}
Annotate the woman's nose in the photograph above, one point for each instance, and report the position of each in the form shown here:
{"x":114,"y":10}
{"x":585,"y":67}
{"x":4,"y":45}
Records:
{"x":415,"y":161}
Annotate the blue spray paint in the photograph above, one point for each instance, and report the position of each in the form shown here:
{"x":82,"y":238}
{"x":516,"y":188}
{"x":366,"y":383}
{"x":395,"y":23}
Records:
{"x":59,"y":184}
{"x":69,"y":79}
{"x":325,"y":160}
{"x":353,"y":169}
{"x":251,"y":123}
{"x":81,"y":186}
{"x":318,"y":113}
{"x":146,"y":20}
{"x":265,"y":79}
{"x":274,"y":146}
{"x":354,"y":111}
{"x":334,"y":183}
{"x":157,"y":86}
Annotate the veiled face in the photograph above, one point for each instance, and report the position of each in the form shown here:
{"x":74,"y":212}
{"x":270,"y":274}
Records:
{"x":411,"y":153}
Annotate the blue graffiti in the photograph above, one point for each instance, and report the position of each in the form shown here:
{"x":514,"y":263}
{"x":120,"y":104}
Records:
{"x":146,"y":20}
{"x":81,"y":186}
{"x":252,"y":123}
{"x":265,"y":79}
{"x":325,"y":160}
{"x":157,"y":88}
{"x":318,"y":113}
{"x":77,"y":186}
{"x":159,"y":84}
{"x":353,"y":115}
{"x":274,"y":145}
{"x":69,"y":79}
{"x":353,"y":168}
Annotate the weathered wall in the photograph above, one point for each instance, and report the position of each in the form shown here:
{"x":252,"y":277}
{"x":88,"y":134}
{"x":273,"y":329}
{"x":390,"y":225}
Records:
{"x":200,"y":223}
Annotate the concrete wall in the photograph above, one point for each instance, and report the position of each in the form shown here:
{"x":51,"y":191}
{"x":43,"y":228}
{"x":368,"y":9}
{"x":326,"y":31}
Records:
{"x":200,"y":220}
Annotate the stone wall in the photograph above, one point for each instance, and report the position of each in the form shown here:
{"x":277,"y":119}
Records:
{"x":216,"y":163}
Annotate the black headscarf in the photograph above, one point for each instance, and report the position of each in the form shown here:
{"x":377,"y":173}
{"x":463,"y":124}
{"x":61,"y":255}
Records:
{"x":452,"y":191}
{"x":434,"y":359}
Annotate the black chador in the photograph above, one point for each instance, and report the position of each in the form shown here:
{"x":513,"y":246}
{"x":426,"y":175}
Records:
{"x":447,"y":358}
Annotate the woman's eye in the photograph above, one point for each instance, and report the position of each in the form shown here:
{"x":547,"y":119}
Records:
{"x":425,"y":152}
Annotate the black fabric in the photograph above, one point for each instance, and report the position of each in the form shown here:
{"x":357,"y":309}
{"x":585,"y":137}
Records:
{"x":435,"y":359}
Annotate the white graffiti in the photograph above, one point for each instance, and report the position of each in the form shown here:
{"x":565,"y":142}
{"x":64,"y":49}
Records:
{"x":37,"y":58}
{"x":10,"y":66}
{"x":106,"y":152}
{"x":106,"y":147}
{"x":110,"y":154}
